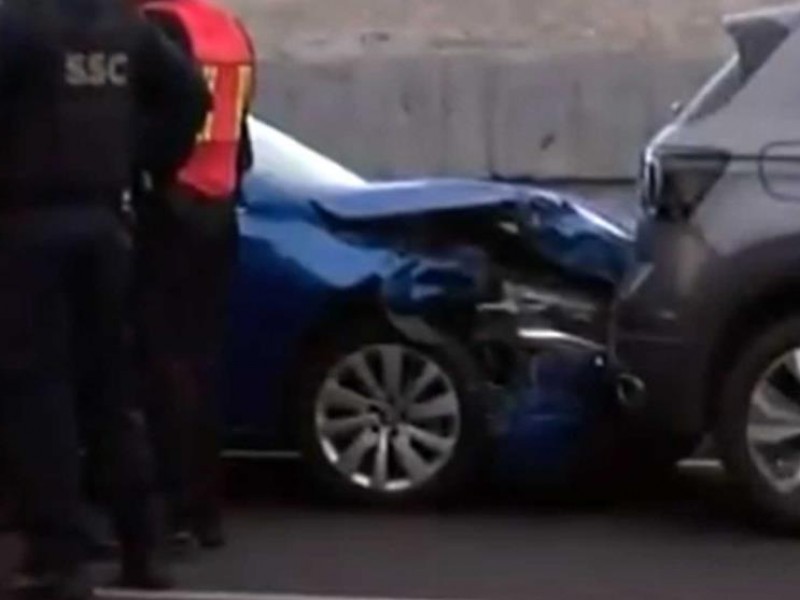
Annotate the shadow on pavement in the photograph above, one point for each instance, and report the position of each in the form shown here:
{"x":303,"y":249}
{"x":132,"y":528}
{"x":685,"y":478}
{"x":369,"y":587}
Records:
{"x":686,"y":499}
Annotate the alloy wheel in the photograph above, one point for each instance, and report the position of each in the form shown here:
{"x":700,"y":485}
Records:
{"x":388,"y":418}
{"x":773,"y":424}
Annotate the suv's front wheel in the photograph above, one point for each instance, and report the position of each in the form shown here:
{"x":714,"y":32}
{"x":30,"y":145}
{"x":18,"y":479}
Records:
{"x":758,"y":430}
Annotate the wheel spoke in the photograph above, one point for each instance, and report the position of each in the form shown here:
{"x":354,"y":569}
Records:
{"x":351,"y":459}
{"x":775,"y":405}
{"x":445,"y":405}
{"x":790,"y":484}
{"x":392,"y":361}
{"x":364,"y":373}
{"x":792,"y":363}
{"x":335,"y":395}
{"x":431,"y":441}
{"x":380,"y":475}
{"x":344,"y":425}
{"x":772,"y":434}
{"x":773,"y":424}
{"x":413,"y":464}
{"x":421,"y":383}
{"x":777,"y":475}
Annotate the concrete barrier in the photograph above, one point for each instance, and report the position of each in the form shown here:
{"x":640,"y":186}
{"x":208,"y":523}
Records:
{"x":395,"y":116}
{"x":513,"y":88}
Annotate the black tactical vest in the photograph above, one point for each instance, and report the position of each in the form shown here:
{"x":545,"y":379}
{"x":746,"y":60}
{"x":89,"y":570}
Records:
{"x":70,"y":127}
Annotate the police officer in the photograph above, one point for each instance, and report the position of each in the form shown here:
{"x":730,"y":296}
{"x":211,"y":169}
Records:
{"x":188,"y":250}
{"x":85,"y":87}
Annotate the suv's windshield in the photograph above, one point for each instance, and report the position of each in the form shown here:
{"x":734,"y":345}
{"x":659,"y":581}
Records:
{"x":291,"y":167}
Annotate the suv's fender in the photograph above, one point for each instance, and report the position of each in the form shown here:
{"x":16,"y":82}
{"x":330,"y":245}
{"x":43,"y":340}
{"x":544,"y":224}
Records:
{"x":739,"y":295}
{"x":755,"y":310}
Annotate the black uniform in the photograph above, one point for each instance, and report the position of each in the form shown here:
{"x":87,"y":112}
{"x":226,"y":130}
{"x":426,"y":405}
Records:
{"x":85,"y":87}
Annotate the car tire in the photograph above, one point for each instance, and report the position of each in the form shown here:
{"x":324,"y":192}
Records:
{"x":461,"y":435}
{"x":750,"y":415}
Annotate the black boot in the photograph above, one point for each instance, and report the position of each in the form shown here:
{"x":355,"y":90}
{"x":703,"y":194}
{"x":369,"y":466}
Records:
{"x":143,"y":574}
{"x":181,"y":542}
{"x":209,"y":532}
{"x":179,"y":533}
{"x":102,"y":550}
{"x":207,"y":526}
{"x":140,"y":569}
{"x":99,"y":540}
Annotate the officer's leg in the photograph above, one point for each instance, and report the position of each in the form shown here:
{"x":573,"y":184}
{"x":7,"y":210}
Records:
{"x":37,"y":416}
{"x":207,"y":477}
{"x":186,"y":303}
{"x":216,"y":253}
{"x":40,"y":437}
{"x":158,"y":394}
{"x":165,"y":437}
{"x":122,"y":440}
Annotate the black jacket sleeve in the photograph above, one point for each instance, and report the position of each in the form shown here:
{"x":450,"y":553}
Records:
{"x":173,"y":102}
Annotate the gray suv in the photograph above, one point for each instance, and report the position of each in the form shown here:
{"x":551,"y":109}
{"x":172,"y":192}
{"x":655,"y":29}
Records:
{"x":707,"y":326}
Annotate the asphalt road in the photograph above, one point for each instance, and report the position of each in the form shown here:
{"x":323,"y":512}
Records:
{"x":688,"y":538}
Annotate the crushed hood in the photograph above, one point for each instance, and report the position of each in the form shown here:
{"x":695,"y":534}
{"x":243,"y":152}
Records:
{"x":567,"y":230}
{"x":408,"y":199}
{"x":393,"y":200}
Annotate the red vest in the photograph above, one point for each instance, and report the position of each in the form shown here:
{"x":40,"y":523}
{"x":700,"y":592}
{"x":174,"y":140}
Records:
{"x":222,"y":47}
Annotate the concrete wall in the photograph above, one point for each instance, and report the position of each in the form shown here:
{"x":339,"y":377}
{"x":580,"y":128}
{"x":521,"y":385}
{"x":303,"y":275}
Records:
{"x":542,"y":88}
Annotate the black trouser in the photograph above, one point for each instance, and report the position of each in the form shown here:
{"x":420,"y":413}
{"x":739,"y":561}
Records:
{"x":64,"y":374}
{"x":187,"y":248}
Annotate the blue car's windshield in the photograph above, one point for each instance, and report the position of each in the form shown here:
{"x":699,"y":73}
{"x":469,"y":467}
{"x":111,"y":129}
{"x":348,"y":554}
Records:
{"x":291,"y":169}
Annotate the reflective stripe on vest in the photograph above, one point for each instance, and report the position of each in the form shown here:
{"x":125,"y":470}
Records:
{"x":224,"y":51}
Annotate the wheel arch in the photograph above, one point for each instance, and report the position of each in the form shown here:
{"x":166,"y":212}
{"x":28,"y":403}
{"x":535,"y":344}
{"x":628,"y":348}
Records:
{"x":346,"y":311}
{"x":770,"y":306}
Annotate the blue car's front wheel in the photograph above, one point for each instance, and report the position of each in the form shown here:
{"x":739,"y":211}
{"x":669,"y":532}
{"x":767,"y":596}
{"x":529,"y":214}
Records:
{"x":384,"y":420}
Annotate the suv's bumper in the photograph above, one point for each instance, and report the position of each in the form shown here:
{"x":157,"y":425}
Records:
{"x":657,"y":334}
{"x":663,"y":384}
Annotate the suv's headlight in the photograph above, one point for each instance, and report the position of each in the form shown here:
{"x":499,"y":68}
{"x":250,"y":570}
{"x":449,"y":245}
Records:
{"x":650,"y":180}
{"x":673,"y":181}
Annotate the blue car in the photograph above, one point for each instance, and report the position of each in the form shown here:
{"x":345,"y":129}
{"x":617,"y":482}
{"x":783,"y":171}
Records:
{"x":392,"y":333}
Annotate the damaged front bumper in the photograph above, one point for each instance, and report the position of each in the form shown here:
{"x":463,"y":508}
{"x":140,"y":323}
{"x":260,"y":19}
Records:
{"x":540,"y":341}
{"x":541,"y":319}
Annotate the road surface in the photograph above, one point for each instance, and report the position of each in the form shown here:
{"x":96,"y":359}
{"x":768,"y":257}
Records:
{"x":685,"y":540}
